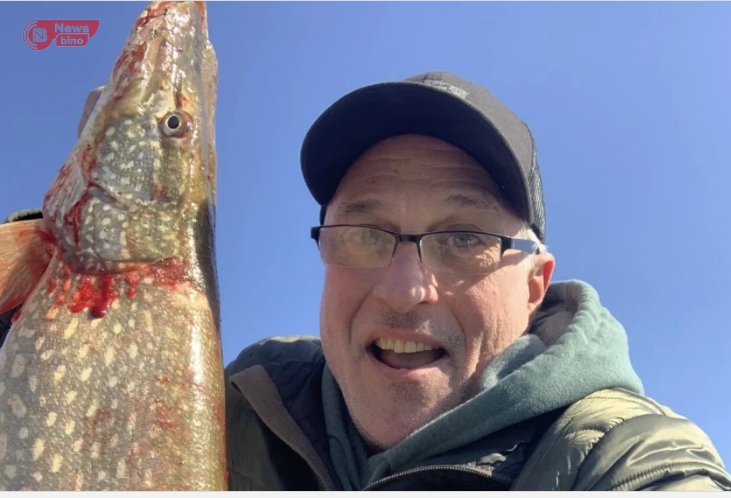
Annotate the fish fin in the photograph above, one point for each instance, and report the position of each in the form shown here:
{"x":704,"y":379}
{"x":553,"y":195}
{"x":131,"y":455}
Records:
{"x":25,"y":251}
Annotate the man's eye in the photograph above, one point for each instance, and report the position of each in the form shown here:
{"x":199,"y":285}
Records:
{"x":365,"y":237}
{"x":463,"y":240}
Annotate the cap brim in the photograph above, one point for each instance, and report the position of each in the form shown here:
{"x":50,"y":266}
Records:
{"x":371,"y":114}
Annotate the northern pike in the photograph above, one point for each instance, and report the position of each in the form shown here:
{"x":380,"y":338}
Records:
{"x":111,"y":376}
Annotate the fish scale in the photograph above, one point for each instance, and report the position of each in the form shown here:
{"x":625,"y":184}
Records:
{"x":132,"y":387}
{"x":111,"y":376}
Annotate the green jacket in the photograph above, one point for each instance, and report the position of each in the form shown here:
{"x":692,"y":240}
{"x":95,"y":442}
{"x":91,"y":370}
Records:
{"x":610,"y":440}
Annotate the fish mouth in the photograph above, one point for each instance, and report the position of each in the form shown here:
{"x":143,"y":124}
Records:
{"x":167,"y":57}
{"x":189,"y":16}
{"x":171,"y":40}
{"x":406,"y":355}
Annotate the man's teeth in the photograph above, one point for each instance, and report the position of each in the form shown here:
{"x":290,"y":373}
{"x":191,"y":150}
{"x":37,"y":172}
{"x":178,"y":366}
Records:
{"x":398,"y":346}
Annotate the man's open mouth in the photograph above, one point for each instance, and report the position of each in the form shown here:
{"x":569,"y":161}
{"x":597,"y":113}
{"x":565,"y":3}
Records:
{"x":405,"y":354}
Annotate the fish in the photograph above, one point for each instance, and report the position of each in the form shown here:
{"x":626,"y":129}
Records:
{"x":111,"y":375}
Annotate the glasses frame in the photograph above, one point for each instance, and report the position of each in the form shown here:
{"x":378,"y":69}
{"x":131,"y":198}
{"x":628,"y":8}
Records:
{"x":524,"y":245}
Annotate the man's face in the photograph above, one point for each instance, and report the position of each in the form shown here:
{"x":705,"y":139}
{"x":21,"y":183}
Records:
{"x":415,"y":184}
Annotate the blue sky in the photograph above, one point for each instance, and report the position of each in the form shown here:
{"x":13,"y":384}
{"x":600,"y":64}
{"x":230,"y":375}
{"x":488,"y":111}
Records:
{"x":628,"y":102}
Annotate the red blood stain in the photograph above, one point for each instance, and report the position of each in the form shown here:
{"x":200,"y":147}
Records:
{"x":96,"y":292}
{"x":163,"y":417}
{"x":95,"y":420}
{"x":43,"y":234}
{"x":87,"y":159}
{"x":15,"y":316}
{"x":95,"y":297}
{"x":132,"y":278}
{"x":60,"y":180}
{"x":219,"y":412}
{"x":100,"y":307}
{"x":158,"y":192}
{"x":162,"y":379}
{"x":73,"y":217}
{"x":169,"y":273}
{"x":180,"y":100}
{"x":129,"y":63}
{"x":50,"y":241}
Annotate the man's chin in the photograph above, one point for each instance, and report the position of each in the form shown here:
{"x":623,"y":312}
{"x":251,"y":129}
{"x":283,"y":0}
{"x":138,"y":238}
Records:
{"x":384,"y":424}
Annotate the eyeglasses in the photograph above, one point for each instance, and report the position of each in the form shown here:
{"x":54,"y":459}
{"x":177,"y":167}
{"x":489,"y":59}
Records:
{"x":463,"y":252}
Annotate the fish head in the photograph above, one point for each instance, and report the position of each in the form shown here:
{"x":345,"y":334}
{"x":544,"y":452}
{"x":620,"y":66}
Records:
{"x":140,"y":184}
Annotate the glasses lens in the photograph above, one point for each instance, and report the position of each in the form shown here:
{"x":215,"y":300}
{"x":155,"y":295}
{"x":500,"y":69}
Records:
{"x":355,"y":247}
{"x":461,"y":252}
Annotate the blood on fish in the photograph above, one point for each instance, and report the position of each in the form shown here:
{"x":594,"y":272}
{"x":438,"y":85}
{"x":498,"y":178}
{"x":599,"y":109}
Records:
{"x":96,"y":298}
{"x":73,"y":217}
{"x":60,"y":180}
{"x":95,"y":420}
{"x":158,"y":192}
{"x":60,"y":300}
{"x":86,"y":159}
{"x":97,"y":292}
{"x":169,"y":273}
{"x":47,"y":237}
{"x":132,"y":278}
{"x":180,"y":100}
{"x":162,"y":379}
{"x":219,"y":412}
{"x":129,"y":64}
{"x":163,"y":416}
{"x":107,"y":296}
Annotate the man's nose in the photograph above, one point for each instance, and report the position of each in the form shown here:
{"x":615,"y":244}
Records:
{"x":406,"y":282}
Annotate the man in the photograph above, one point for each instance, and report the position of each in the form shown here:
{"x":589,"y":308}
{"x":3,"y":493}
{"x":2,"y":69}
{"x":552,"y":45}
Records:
{"x":447,"y":360}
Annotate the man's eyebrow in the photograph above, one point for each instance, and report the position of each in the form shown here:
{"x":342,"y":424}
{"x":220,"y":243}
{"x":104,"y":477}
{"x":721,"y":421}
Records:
{"x":473,"y":201}
{"x":362,"y":206}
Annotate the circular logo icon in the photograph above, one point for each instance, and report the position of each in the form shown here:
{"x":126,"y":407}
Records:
{"x":31,"y":35}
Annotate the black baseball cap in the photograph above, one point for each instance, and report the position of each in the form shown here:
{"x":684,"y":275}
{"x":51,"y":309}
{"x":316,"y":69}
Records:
{"x":437,"y":104}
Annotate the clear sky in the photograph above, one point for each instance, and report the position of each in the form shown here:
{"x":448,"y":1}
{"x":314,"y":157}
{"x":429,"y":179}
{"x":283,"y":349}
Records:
{"x":629,"y":104}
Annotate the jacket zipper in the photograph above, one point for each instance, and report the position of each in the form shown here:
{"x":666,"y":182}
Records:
{"x":489,"y":476}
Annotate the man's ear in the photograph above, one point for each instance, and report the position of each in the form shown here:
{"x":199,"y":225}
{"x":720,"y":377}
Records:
{"x":539,"y":279}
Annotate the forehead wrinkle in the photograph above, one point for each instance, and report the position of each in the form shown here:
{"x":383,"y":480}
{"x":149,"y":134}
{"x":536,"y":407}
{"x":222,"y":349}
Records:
{"x":473,"y":201}
{"x":360,"y":206}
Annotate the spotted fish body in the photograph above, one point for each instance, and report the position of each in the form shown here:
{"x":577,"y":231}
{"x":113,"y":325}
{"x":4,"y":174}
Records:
{"x":111,"y":376}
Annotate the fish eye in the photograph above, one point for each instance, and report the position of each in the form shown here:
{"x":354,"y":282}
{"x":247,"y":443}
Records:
{"x":174,"y":124}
